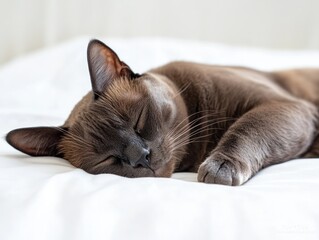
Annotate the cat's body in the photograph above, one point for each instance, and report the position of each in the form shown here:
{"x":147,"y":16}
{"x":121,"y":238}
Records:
{"x":224,"y":122}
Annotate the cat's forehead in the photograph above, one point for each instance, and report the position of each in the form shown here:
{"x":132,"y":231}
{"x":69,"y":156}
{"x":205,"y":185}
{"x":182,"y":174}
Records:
{"x":123,"y":98}
{"x":125,"y":91}
{"x":158,"y":88}
{"x":146,"y":86}
{"x":126,"y":97}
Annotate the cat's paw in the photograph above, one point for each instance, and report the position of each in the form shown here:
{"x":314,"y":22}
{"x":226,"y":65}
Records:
{"x":221,"y":172}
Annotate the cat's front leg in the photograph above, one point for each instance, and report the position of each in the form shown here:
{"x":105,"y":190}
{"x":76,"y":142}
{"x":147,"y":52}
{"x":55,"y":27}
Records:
{"x":268,"y":134}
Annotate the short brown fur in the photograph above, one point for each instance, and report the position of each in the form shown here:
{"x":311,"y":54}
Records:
{"x":225,"y":122}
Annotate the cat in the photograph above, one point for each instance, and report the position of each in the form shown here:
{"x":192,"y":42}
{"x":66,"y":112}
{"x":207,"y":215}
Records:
{"x":226,"y":123}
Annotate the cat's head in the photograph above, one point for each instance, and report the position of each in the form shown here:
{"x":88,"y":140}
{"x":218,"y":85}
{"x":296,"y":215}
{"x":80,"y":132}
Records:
{"x":129,"y":124}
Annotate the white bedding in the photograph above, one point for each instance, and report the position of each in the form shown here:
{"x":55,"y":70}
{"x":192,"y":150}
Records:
{"x":47,"y":198}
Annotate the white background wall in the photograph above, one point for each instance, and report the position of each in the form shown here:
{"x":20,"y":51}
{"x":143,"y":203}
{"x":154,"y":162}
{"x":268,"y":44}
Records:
{"x":30,"y":24}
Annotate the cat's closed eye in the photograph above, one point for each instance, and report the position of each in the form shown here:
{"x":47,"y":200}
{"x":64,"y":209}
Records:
{"x":140,"y":121}
{"x":106,"y":161}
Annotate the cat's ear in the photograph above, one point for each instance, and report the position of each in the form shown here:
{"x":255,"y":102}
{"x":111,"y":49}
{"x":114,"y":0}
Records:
{"x":105,"y":66}
{"x":37,"y":141}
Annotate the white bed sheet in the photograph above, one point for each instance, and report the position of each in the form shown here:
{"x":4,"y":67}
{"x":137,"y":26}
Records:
{"x":47,"y":198}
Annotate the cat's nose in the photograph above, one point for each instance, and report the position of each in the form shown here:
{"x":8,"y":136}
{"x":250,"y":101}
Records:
{"x":142,"y":160}
{"x":137,"y":155}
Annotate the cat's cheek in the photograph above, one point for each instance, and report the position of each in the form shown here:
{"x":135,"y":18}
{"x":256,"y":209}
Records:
{"x":130,"y":172}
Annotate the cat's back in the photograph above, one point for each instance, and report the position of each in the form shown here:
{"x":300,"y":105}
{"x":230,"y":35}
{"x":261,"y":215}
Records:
{"x":301,"y":83}
{"x":217,"y":77}
{"x":205,"y":73}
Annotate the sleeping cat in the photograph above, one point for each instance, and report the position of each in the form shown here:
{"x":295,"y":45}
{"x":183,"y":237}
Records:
{"x":227,"y":123}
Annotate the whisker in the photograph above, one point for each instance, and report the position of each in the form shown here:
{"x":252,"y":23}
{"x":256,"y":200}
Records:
{"x":195,"y":140}
{"x":181,"y":140}
{"x":211,"y":114}
{"x":206,"y":124}
{"x":189,"y":140}
{"x":183,"y":88}
{"x":188,"y":117}
{"x":197,"y":119}
{"x":182,"y":135}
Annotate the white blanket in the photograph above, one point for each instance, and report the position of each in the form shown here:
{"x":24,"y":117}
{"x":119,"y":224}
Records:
{"x":47,"y":198}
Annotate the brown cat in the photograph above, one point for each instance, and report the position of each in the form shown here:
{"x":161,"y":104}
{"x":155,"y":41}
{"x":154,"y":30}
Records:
{"x":227,"y":123}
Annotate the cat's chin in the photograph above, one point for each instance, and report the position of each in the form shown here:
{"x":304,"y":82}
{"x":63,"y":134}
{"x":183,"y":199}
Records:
{"x":164,"y":171}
